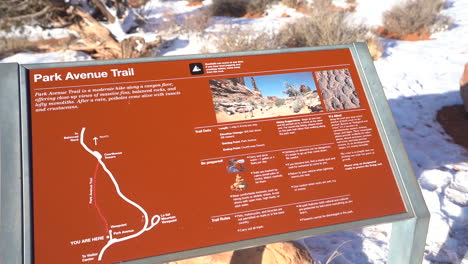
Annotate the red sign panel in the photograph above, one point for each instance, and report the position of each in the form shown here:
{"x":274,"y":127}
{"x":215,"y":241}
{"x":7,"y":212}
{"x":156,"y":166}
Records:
{"x":138,"y":160}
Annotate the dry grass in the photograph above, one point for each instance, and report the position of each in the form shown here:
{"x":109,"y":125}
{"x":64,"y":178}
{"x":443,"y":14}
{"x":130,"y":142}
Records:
{"x":336,"y":253}
{"x":322,"y":27}
{"x":375,"y":48}
{"x":197,"y":22}
{"x":9,"y":46}
{"x":236,"y":39}
{"x":295,"y":3}
{"x":323,"y":5}
{"x":258,"y":7}
{"x":415,"y":17}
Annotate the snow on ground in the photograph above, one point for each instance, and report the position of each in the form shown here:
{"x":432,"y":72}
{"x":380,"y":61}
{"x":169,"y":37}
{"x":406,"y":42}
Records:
{"x":418,"y":79}
{"x":34,"y":33}
{"x":60,"y":56}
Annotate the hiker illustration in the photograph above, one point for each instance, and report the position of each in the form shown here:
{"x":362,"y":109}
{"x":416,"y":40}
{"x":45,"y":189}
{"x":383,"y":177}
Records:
{"x":236,"y":166}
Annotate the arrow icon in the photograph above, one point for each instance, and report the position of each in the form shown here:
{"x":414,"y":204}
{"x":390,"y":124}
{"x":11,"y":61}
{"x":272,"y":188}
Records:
{"x":95,"y":141}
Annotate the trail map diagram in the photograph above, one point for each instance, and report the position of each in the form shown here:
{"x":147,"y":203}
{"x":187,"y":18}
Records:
{"x":148,"y":223}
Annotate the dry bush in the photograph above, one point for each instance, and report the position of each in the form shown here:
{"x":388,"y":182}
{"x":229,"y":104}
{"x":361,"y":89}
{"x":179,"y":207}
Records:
{"x":239,"y":8}
{"x":295,"y":3}
{"x":232,"y":8}
{"x":415,"y":17}
{"x":235,"y":39}
{"x":375,"y":48}
{"x":197,"y":22}
{"x":255,"y":7}
{"x":20,"y":12}
{"x":168,"y":22}
{"x":321,"y":27}
{"x":322,"y":4}
{"x":336,"y":253}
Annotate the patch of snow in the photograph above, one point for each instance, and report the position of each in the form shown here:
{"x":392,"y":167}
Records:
{"x":279,"y":11}
{"x":461,"y":181}
{"x":48,"y":57}
{"x":35,"y":33}
{"x":433,"y":179}
{"x":183,"y":45}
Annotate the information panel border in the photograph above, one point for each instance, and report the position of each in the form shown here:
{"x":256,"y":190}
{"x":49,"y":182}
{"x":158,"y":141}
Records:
{"x":409,"y":229}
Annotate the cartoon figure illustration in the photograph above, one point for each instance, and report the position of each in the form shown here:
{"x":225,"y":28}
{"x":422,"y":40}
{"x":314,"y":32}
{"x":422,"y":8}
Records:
{"x":236,"y":166}
{"x":240,"y":184}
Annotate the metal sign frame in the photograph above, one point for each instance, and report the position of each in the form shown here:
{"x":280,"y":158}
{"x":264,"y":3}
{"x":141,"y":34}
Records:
{"x":409,"y":230}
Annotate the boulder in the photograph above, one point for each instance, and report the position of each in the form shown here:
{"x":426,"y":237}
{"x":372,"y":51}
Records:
{"x":277,"y":253}
{"x":286,"y":253}
{"x":304,"y":88}
{"x":464,"y":87}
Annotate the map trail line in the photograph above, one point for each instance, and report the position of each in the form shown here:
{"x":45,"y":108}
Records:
{"x":101,"y":215}
{"x":148,"y":224}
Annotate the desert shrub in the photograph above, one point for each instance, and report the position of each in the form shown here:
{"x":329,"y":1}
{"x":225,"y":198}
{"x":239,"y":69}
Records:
{"x":279,"y":102}
{"x":236,"y":39}
{"x":239,"y":8}
{"x":218,"y":108}
{"x":295,"y":3}
{"x":322,"y":4}
{"x":291,"y":91}
{"x":197,"y":22}
{"x":232,"y":8}
{"x":297,"y":105}
{"x":20,"y":12}
{"x":258,"y":6}
{"x":375,"y":48}
{"x":321,"y":27}
{"x":415,"y":17}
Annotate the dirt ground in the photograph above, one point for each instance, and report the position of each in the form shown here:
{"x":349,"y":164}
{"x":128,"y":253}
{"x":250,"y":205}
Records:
{"x":283,"y":110}
{"x":454,"y":120}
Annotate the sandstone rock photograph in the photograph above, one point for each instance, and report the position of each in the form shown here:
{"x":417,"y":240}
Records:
{"x":337,"y":89}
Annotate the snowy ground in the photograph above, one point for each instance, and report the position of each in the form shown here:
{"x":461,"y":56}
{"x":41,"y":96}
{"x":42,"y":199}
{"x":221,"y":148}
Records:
{"x":418,"y":78}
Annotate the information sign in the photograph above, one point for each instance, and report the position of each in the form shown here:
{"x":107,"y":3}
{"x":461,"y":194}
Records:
{"x":148,"y":159}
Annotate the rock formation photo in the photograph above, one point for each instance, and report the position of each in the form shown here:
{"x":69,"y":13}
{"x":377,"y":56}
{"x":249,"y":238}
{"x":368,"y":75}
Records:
{"x":254,"y":97}
{"x":338,"y":90}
